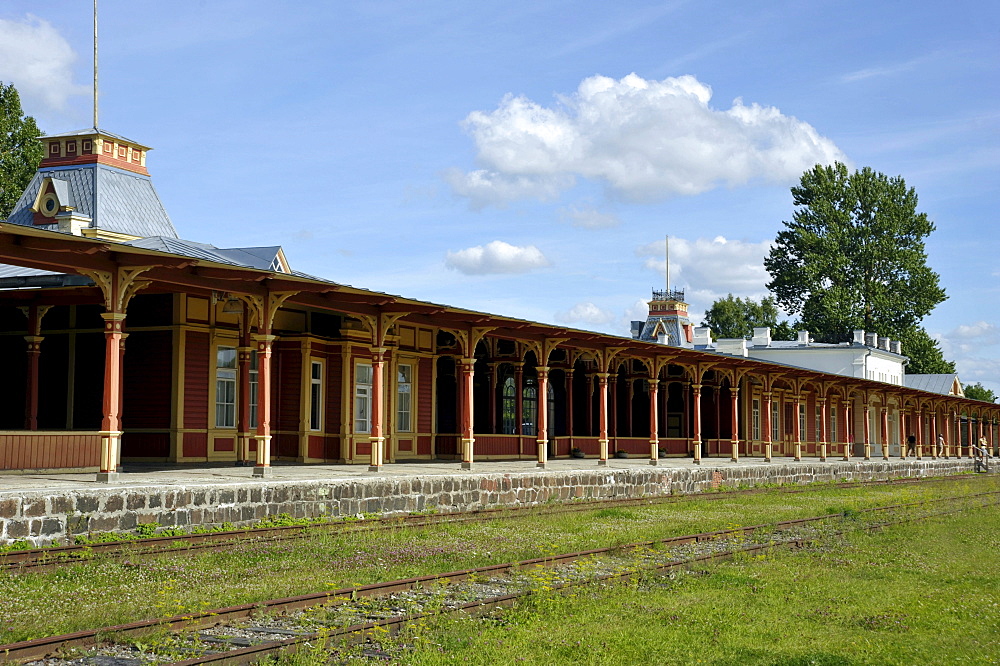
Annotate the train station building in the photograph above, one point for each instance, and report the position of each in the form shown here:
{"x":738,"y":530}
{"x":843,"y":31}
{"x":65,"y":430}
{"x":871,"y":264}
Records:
{"x":122,"y":341}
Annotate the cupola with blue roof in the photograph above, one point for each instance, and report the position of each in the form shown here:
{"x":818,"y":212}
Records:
{"x":94,"y":183}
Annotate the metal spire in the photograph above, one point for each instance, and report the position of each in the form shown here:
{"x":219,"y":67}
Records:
{"x":666,"y":252}
{"x":95,"y":65}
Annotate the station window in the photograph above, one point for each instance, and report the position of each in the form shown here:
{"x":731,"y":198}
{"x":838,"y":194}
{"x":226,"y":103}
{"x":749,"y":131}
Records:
{"x":508,"y":407}
{"x":833,"y":424}
{"x":225,"y":387}
{"x":253,"y":390}
{"x":775,"y":422}
{"x":404,"y":402}
{"x":363,"y":398}
{"x":755,"y":419}
{"x":316,"y":396}
{"x":529,"y":407}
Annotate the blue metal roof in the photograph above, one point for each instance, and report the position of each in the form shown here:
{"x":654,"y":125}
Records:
{"x":115,"y":199}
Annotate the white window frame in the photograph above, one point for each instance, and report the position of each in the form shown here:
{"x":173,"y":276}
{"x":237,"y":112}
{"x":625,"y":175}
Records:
{"x":254,"y":373}
{"x":316,"y":395}
{"x":225,"y":386}
{"x":404,"y":397}
{"x":776,"y":421}
{"x":755,"y":419}
{"x":833,"y":424}
{"x":362,"y":398}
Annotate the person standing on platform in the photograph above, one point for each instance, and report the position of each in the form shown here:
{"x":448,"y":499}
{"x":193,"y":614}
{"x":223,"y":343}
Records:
{"x":911,"y":445}
{"x":940,"y":445}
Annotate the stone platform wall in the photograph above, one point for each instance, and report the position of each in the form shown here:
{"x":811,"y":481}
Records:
{"x":44,"y":517}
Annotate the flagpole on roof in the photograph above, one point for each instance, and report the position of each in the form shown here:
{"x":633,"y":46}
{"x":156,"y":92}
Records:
{"x":95,"y":64}
{"x":666,"y":252}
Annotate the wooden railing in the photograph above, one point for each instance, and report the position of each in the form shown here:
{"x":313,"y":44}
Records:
{"x":46,"y":449}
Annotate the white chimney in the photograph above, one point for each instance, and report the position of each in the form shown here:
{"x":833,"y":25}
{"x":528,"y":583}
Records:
{"x":803,"y":337}
{"x":731,"y":346}
{"x":762,"y":337}
{"x":896,"y":347}
{"x":871,"y":339}
{"x":702,"y":336}
{"x":883,"y":343}
{"x":859,"y":336}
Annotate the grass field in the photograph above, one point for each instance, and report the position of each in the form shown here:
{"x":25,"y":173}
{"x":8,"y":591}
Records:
{"x":107,"y":591}
{"x":926,"y":593}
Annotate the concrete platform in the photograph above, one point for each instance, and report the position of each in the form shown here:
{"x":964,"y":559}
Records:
{"x":43,"y":508}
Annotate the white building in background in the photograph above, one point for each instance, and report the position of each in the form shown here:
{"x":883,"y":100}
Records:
{"x":866,"y":356}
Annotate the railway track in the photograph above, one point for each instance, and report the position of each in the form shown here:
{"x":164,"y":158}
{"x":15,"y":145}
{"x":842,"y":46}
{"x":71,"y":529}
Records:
{"x":46,"y":558}
{"x":247,"y":633}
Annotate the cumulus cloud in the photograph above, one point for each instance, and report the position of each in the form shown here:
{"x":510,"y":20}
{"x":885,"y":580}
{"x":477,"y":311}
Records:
{"x":39,"y":62}
{"x":585,"y":313}
{"x":711,"y":268}
{"x":496,"y":257}
{"x":589,"y":218}
{"x":966,"y":344}
{"x":644,"y":140}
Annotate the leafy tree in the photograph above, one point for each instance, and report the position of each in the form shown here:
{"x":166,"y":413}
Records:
{"x":924,"y":353}
{"x":979,"y":392}
{"x":853,"y":258}
{"x":733,"y":317}
{"x":20,"y":149}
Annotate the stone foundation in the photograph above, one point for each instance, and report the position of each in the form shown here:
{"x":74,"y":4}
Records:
{"x":44,"y":517}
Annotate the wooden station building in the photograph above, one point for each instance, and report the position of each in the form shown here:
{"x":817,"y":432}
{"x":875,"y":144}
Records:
{"x":121,"y":341}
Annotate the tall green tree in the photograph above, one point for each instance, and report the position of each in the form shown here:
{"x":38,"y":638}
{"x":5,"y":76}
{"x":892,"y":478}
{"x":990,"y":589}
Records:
{"x":853,"y":257}
{"x":979,"y":392}
{"x":20,"y":149}
{"x":733,"y":317}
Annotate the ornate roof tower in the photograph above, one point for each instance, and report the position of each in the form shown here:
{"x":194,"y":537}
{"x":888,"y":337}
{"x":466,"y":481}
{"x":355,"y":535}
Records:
{"x":667,"y":321}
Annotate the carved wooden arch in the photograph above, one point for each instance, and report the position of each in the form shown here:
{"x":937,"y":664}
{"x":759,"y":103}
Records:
{"x":261,"y":309}
{"x":118,"y":286}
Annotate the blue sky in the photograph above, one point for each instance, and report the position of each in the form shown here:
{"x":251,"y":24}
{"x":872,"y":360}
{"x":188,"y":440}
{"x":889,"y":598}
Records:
{"x":528,"y":158}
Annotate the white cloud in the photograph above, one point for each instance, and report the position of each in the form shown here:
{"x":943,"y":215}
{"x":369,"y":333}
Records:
{"x":586,"y":313}
{"x":589,"y":218}
{"x":644,"y":140}
{"x":496,"y":257}
{"x":711,"y":268}
{"x":39,"y":62}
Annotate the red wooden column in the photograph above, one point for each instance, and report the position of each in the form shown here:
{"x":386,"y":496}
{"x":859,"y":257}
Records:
{"x":629,"y":426}
{"x":519,"y":403}
{"x":797,"y":428}
{"x":654,"y":422}
{"x":568,"y":375}
{"x":885,"y":431}
{"x":767,"y":425}
{"x":905,"y":421}
{"x":468,"y":439}
{"x":968,"y":428}
{"x":34,"y":314}
{"x":613,"y":408}
{"x":696,"y":435}
{"x":919,"y":434}
{"x":111,"y":403}
{"x":602,"y":417}
{"x":243,"y":358}
{"x":934,"y":434}
{"x":848,"y":427}
{"x":542,"y":432}
{"x":734,"y":438}
{"x":822,"y":425}
{"x":377,"y":434}
{"x":868,"y":430}
{"x":31,"y":383}
{"x":262,"y":467}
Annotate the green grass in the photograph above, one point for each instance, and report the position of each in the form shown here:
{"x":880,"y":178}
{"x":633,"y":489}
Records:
{"x":925,"y":593}
{"x":106,"y":591}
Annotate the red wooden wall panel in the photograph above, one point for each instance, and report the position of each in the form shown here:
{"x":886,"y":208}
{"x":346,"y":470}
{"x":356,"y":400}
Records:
{"x":197,"y":355}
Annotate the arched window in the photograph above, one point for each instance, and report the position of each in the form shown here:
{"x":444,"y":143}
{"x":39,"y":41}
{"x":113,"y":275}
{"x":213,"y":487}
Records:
{"x":508,"y":407}
{"x":529,"y":407}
